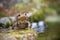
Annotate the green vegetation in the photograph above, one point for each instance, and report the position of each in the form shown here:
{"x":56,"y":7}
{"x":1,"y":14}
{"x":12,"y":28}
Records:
{"x":9,"y":23}
{"x":37,"y":16}
{"x":2,"y":15}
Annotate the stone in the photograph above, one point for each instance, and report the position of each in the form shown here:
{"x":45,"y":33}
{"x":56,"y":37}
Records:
{"x":11,"y":38}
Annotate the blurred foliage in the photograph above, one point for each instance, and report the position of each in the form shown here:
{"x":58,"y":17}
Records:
{"x":37,"y":16}
{"x":50,"y":11}
{"x":9,"y":23}
{"x":21,"y":6}
{"x":58,"y":10}
{"x":2,"y":15}
{"x":52,"y":4}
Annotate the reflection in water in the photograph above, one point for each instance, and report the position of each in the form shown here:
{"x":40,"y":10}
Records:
{"x":39,"y":27}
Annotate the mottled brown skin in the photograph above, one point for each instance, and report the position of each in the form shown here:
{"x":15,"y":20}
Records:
{"x":22,"y":24}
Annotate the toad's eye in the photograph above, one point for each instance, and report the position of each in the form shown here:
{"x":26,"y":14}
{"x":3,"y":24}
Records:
{"x":18,"y":15}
